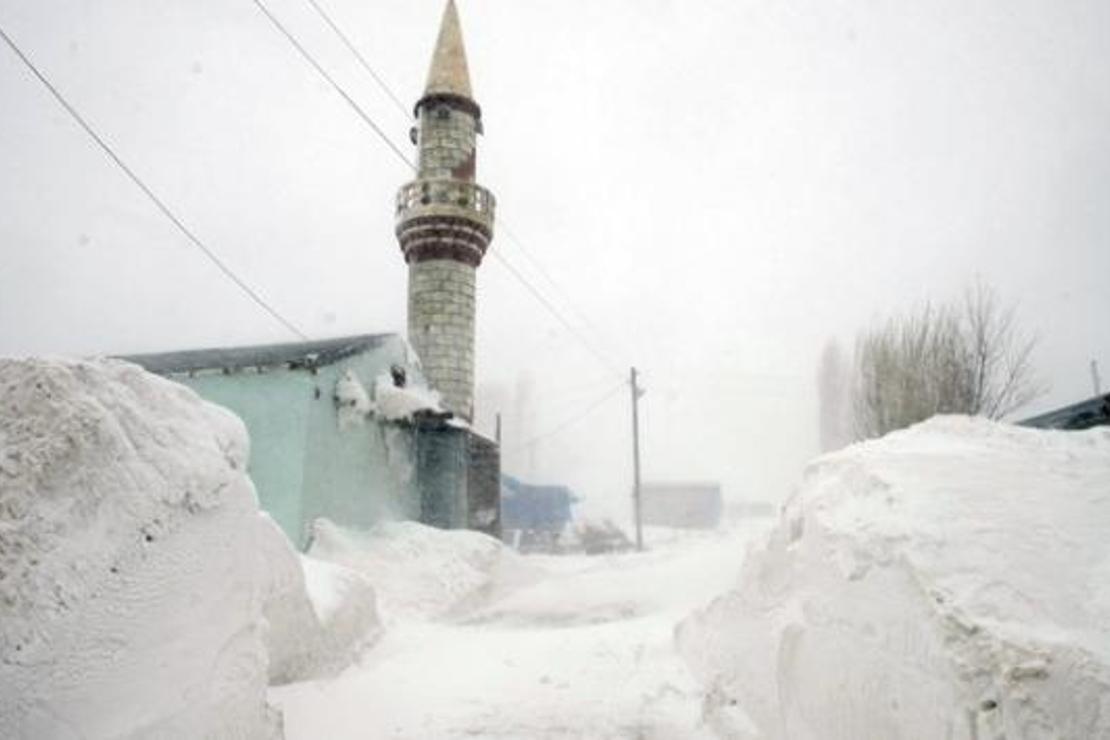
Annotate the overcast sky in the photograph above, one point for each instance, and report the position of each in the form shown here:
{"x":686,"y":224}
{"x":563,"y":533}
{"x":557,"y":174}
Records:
{"x":717,"y":188}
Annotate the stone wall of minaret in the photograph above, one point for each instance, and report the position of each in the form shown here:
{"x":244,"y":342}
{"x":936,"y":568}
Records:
{"x":445,"y":224}
{"x":441,"y":328}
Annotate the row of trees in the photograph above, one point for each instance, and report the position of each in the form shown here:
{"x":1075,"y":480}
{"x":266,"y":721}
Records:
{"x":964,"y":358}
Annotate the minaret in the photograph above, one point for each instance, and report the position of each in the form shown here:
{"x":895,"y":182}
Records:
{"x":445,"y":223}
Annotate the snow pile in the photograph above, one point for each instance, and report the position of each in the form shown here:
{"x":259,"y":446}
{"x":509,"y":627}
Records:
{"x":352,"y":402}
{"x":419,"y":572}
{"x":130,"y":589}
{"x":951,"y":580}
{"x":345,"y":607}
{"x":402,"y":404}
{"x":320,"y":617}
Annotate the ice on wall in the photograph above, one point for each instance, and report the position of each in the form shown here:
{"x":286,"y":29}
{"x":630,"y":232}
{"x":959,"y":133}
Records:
{"x":951,"y":580}
{"x":131,"y":593}
{"x":352,"y":401}
{"x":400,"y":450}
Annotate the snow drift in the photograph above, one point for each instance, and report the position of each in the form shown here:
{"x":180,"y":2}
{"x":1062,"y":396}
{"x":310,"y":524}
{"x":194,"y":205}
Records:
{"x":419,"y":572}
{"x":320,"y":617}
{"x":131,"y":590}
{"x":948,"y":581}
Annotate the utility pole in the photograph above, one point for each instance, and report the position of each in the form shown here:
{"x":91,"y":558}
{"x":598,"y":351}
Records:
{"x":1096,"y":378}
{"x":636,"y":393}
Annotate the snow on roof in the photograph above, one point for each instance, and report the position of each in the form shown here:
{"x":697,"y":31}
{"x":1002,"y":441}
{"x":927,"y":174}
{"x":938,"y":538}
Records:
{"x":294,"y":355}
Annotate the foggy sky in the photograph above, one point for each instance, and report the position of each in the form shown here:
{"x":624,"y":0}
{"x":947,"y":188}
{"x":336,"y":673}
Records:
{"x":717,"y":188}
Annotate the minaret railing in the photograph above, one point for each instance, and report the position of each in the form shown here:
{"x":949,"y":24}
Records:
{"x":451,"y":198}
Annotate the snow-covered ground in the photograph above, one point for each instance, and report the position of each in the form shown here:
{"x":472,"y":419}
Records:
{"x":581,"y":648}
{"x":950,"y":580}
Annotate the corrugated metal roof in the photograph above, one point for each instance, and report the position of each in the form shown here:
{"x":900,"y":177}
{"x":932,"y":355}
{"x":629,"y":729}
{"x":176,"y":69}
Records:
{"x":1083,"y":415}
{"x":298,"y":354}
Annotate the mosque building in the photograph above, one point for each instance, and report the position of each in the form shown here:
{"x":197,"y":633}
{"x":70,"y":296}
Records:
{"x":345,"y":428}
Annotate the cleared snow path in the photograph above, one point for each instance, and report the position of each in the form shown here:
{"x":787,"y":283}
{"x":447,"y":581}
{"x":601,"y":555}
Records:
{"x":586,"y":652}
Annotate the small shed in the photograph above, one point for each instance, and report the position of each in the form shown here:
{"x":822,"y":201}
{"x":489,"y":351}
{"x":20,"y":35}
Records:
{"x":695,"y":505}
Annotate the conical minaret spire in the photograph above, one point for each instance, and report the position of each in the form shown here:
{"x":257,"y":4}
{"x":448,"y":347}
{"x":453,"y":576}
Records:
{"x":445,"y":222}
{"x":449,"y":73}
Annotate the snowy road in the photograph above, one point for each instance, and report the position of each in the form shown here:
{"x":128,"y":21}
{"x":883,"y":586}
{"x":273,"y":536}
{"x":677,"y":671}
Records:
{"x":585,"y":652}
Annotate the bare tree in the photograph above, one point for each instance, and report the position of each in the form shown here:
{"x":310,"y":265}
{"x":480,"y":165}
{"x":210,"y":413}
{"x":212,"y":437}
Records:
{"x":968,"y":358}
{"x":1002,"y":370}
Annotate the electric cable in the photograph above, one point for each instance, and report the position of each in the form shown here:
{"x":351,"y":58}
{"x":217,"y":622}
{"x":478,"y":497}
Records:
{"x":365,"y":64}
{"x":361,"y":59}
{"x":572,"y":421}
{"x":158,"y":202}
{"x":338,"y":88}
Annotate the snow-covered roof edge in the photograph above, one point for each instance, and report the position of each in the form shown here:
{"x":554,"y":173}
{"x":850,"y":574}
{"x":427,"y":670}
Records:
{"x":317,"y":353}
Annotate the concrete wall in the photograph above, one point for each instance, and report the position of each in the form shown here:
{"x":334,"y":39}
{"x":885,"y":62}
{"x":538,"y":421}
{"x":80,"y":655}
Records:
{"x":483,"y":485}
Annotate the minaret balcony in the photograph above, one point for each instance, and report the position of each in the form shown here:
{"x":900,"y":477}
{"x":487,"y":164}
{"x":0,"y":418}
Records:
{"x":453,"y":199}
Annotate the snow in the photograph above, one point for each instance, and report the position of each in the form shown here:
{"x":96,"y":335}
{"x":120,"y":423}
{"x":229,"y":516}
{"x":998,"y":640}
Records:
{"x":420,"y":572}
{"x":950,"y":580}
{"x":401,"y":404}
{"x":573,"y":647}
{"x":131,"y":594}
{"x":320,"y":617}
{"x":345,"y":605}
{"x":352,"y":400}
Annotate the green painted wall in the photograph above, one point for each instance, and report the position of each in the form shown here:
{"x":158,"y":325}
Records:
{"x":304,"y":465}
{"x":275,"y":406}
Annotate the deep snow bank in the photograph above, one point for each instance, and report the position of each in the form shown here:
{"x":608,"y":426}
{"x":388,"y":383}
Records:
{"x":420,"y":572}
{"x":948,"y":581}
{"x":320,"y":616}
{"x":131,"y":589}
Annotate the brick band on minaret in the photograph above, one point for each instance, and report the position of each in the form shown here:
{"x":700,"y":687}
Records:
{"x":445,"y":223}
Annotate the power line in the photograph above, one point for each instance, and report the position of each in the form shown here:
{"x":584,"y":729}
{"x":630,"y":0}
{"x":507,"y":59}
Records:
{"x":343,"y":93}
{"x":361,"y":59}
{"x":557,"y":314}
{"x":503,"y":227}
{"x":506,"y":229}
{"x":193,"y":238}
{"x":573,"y":420}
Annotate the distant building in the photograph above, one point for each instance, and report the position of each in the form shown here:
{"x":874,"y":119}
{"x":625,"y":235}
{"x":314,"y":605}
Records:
{"x":318,"y":446}
{"x":683,"y":505}
{"x":1083,"y":415}
{"x":534,"y":513}
{"x":737,"y":511}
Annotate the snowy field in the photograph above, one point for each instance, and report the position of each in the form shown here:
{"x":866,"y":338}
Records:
{"x":583,"y":650}
{"x":951,"y":580}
